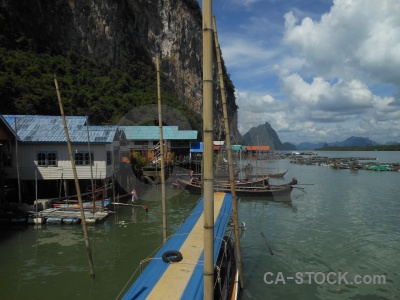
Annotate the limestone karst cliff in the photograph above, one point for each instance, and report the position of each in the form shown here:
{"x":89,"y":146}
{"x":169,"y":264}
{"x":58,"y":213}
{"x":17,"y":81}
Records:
{"x":116,"y":32}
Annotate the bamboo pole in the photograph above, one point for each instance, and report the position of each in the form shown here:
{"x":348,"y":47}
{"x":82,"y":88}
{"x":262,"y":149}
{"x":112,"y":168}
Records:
{"x":230,"y":160}
{"x":61,"y":183}
{"x":164,"y":209}
{"x":208,"y":135}
{"x":17,"y":158}
{"x":78,"y":190}
{"x":36,"y":202}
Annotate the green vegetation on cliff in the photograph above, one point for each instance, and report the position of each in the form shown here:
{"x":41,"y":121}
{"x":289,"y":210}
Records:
{"x":104,"y":94}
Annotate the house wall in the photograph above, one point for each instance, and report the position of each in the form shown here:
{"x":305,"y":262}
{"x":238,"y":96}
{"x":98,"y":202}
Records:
{"x":28,"y":162}
{"x":4,"y":135}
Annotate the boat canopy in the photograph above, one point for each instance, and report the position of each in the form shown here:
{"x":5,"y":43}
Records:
{"x":196,"y":147}
{"x":183,"y":279}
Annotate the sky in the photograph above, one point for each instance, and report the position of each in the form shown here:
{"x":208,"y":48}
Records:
{"x":316,"y":70}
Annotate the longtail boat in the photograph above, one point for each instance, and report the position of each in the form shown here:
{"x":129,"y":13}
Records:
{"x":256,"y":191}
{"x":176,"y":271}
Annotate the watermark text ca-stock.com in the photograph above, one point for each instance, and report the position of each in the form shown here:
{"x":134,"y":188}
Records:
{"x":323,"y":278}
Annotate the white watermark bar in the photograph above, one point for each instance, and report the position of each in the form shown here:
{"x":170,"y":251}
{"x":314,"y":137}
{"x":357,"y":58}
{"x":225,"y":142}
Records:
{"x":323,"y":278}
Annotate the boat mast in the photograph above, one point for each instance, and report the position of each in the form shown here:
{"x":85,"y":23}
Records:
{"x":164,"y":209}
{"x":228,"y":146}
{"x":208,"y":131}
{"x":78,"y":190}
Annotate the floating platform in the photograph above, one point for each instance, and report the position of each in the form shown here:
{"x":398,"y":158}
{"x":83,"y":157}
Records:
{"x":57,"y":216}
{"x":68,"y":216}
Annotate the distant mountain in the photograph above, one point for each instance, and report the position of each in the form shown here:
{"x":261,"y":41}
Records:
{"x":356,"y":141}
{"x":310,"y":146}
{"x":351,"y":141}
{"x":392,"y":143}
{"x":265,"y":135}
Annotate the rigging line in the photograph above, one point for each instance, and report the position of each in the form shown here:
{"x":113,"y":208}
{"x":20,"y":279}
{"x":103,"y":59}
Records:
{"x":128,"y":282}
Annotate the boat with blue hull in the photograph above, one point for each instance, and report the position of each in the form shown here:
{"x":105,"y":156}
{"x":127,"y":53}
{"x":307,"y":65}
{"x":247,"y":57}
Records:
{"x":177,"y":270}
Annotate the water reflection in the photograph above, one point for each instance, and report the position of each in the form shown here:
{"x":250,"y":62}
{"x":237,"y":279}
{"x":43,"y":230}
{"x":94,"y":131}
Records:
{"x":344,"y":222}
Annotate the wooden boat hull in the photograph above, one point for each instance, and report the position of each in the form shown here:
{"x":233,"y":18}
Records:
{"x":258,"y":182}
{"x":272,"y":190}
{"x":277,"y":175}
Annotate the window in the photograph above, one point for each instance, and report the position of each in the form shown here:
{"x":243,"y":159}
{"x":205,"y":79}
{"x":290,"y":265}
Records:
{"x":82,"y":158}
{"x":78,"y":158}
{"x":41,"y":158}
{"x":47,"y":158}
{"x":109,"y":158}
{"x":52,"y":159}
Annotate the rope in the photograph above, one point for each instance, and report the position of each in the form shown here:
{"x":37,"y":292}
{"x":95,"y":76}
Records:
{"x":119,"y":295}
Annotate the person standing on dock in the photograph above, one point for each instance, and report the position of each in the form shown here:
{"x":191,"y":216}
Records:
{"x":190,"y":174}
{"x":134,"y":196}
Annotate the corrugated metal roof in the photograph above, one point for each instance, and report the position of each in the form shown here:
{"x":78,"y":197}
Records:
{"x":50,"y":129}
{"x":153,"y":133}
{"x":7,"y":126}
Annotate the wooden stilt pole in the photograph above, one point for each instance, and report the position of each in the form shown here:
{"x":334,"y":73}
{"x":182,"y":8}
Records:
{"x":164,"y":208}
{"x":91,"y":167}
{"x":17,"y":158}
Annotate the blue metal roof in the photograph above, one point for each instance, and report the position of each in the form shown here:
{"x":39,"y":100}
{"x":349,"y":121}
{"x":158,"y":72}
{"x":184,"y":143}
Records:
{"x":156,"y":269}
{"x":50,"y":129}
{"x":7,"y":126}
{"x":153,"y":133}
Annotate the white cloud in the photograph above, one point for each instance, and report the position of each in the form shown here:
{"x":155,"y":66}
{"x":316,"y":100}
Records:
{"x":332,"y":75}
{"x":257,"y":109}
{"x":241,"y":52}
{"x":353,"y":46}
{"x":356,"y":39}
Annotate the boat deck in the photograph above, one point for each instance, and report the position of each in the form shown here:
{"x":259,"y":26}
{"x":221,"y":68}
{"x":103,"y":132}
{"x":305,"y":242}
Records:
{"x":183,"y":279}
{"x":178,"y":275}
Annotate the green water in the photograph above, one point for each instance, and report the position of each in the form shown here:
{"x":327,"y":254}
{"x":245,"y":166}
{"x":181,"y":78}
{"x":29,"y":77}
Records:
{"x":344,"y":221}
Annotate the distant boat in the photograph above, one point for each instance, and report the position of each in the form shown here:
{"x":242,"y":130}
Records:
{"x":256,"y":182}
{"x":256,"y":191}
{"x":176,"y":271}
{"x":277,"y":175}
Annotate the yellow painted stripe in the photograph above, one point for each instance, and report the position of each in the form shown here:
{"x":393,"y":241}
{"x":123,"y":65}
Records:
{"x":175,"y":279}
